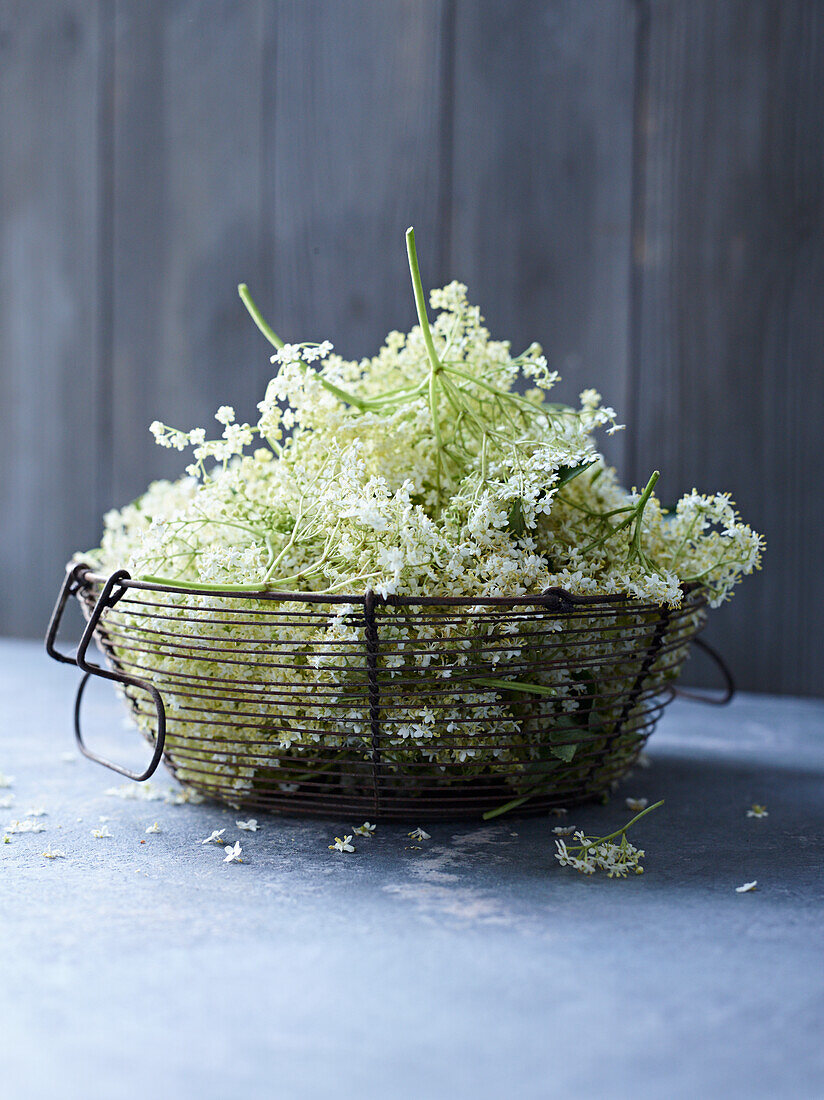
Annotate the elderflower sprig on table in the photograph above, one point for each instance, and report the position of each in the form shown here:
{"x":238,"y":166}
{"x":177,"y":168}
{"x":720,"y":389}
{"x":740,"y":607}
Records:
{"x":601,"y":853}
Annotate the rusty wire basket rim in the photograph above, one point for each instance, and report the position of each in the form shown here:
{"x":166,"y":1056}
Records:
{"x":88,"y":575}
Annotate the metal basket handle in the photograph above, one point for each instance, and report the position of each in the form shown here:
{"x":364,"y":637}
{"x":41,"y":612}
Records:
{"x":112,"y":591}
{"x":727,"y":692}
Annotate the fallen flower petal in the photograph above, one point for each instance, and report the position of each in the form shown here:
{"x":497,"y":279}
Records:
{"x":342,"y":845}
{"x":747,"y":887}
{"x":233,"y":853}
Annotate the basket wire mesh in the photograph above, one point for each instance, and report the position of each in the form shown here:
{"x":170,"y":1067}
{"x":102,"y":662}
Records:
{"x":395,"y":708}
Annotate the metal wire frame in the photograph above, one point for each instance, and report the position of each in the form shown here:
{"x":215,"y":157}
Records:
{"x":256,"y":700}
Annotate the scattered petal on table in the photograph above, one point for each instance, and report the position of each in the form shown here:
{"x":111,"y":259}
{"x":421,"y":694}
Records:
{"x":344,"y":845}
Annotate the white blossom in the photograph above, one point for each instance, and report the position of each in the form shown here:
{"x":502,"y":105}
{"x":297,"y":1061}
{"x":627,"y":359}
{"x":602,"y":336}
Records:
{"x":233,"y":853}
{"x":102,"y":833}
{"x":25,"y":826}
{"x":747,"y":887}
{"x":364,"y":830}
{"x":418,"y":834}
{"x":155,"y":828}
{"x":342,"y":845}
{"x":757,"y":811}
{"x":214,"y":838}
{"x":250,"y":826}
{"x":54,"y":853}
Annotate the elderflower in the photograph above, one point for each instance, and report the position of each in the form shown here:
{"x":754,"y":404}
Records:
{"x":6,"y":780}
{"x":418,"y":834}
{"x":214,"y":838}
{"x":342,"y":845}
{"x":154,"y":828}
{"x":53,"y":853}
{"x":26,"y":826}
{"x":250,"y":826}
{"x":593,"y":854}
{"x":364,"y":830}
{"x":757,"y":811}
{"x":636,"y":804}
{"x":747,"y":888}
{"x":102,"y":833}
{"x":233,"y":853}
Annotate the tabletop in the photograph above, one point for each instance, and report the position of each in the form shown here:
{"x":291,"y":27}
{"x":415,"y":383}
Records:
{"x":469,"y":964}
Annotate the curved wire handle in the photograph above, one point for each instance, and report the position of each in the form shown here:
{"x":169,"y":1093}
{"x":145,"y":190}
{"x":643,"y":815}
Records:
{"x":113,"y":590}
{"x":728,"y":690}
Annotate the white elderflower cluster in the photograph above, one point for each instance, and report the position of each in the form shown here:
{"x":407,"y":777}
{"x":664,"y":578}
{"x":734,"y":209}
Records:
{"x":440,"y":466}
{"x":613,"y":854}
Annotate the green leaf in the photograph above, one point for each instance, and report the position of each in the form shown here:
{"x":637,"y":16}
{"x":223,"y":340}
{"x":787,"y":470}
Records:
{"x":568,"y":473}
{"x":564,"y":752}
{"x":516,"y":523}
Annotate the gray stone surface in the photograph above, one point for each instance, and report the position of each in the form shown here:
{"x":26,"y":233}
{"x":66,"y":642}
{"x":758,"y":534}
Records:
{"x":144,"y":966}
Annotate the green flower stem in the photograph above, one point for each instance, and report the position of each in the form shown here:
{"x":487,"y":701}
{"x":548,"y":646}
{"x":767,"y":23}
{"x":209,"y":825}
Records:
{"x":513,"y":685}
{"x":258,"y":317}
{"x":198,"y":586}
{"x":420,"y":301}
{"x":625,"y":829}
{"x":642,"y":503}
{"x":275,"y":340}
{"x":636,"y":512}
{"x":514,"y":804}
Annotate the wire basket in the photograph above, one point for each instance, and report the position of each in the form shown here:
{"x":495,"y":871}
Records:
{"x":396,"y":708}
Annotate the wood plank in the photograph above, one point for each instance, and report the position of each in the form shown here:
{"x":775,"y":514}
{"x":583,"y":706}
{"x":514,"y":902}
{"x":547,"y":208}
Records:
{"x":50,"y":77}
{"x":354,"y":157}
{"x":729,"y":279}
{"x":541,"y":204}
{"x":188,"y":223}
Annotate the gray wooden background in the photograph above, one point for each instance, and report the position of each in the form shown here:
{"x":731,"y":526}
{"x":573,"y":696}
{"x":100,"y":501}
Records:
{"x":635,"y":183}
